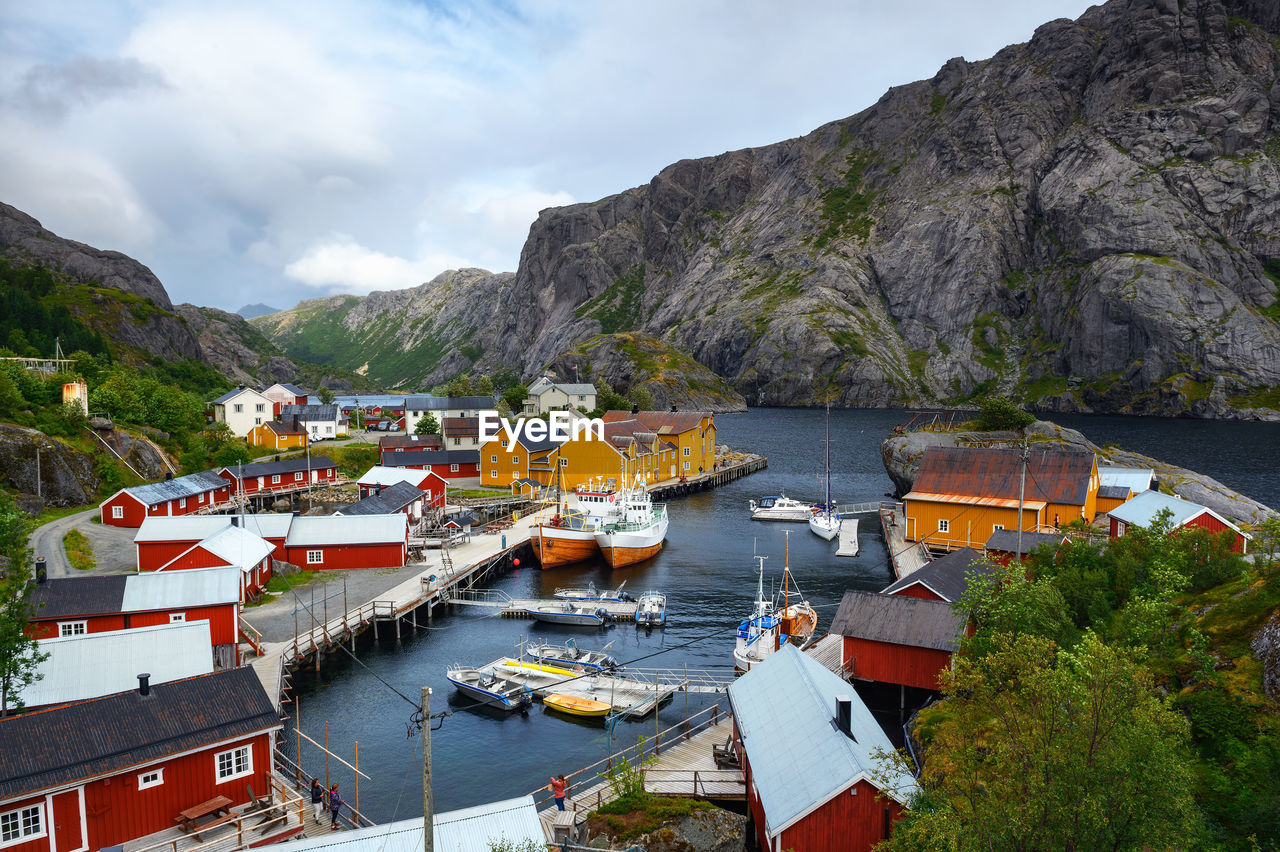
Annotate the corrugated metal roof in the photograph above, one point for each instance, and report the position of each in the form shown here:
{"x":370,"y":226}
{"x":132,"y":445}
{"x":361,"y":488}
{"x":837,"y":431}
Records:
{"x":392,"y":498}
{"x":1054,"y":476}
{"x":95,"y":664}
{"x":283,"y":429}
{"x":66,"y":596}
{"x":974,"y":500}
{"x":460,"y":427}
{"x":1114,"y":492}
{"x":901,"y":620}
{"x":424,"y":442}
{"x":785,"y":712}
{"x":238,"y":547}
{"x":1136,"y":479}
{"x":1142,"y":509}
{"x":336,"y":529}
{"x":271,"y":468}
{"x":471,"y":829}
{"x":178,"y":487}
{"x":947,"y":576}
{"x":382,"y":475}
{"x":1006,"y":541}
{"x":200,"y":527}
{"x":441,"y":403}
{"x":151,"y":590}
{"x":49,"y":748}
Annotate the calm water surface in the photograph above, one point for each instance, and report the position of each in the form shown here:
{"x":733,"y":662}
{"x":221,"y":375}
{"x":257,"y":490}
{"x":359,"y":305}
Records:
{"x":708,"y":573}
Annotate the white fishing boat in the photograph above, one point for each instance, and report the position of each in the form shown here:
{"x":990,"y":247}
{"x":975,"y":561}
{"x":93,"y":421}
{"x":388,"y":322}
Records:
{"x":780,"y":508}
{"x":489,"y":689}
{"x":770,"y":625}
{"x":591,"y":593}
{"x":825,"y":523}
{"x":571,"y":656}
{"x":570,"y":613}
{"x":638,"y":533}
{"x":651,"y":609}
{"x":570,"y":535}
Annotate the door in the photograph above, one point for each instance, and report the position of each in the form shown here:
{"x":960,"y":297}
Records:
{"x":315,"y":476}
{"x":262,"y":480}
{"x":68,"y":821}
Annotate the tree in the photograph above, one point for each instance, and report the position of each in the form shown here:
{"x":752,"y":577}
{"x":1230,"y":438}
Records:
{"x":515,"y":396}
{"x":607,"y":399}
{"x":326,"y":396}
{"x":460,"y":386}
{"x":1038,"y":748}
{"x":998,"y":413}
{"x":19,"y":655}
{"x":1006,"y":601}
{"x":428,"y":425}
{"x":483,"y":386}
{"x":642,"y":399}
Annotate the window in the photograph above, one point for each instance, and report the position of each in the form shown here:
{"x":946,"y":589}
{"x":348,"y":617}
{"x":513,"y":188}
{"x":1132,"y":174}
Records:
{"x":117,"y":511}
{"x":297,"y":477}
{"x":454,"y":469}
{"x":515,"y":460}
{"x":275,"y":479}
{"x":200,"y":498}
{"x":177,"y":617}
{"x":944,"y":525}
{"x":154,"y":778}
{"x":234,"y":763}
{"x":686,"y":465}
{"x":564,"y":462}
{"x":238,"y":408}
{"x":73,"y":628}
{"x":995,"y":527}
{"x":686,"y":452}
{"x":457,"y":441}
{"x":328,"y":430}
{"x":315,"y":557}
{"x":493,"y":474}
{"x":493,"y":459}
{"x":182,"y":503}
{"x":257,"y":421}
{"x":504,"y":442}
{"x":21,"y":824}
{"x":260,"y":407}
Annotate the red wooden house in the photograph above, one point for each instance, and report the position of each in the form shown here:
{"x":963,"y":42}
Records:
{"x":400,"y":443}
{"x":451,"y":464}
{"x":278,"y":476}
{"x":73,"y":606}
{"x":153,"y":752}
{"x":129,"y":507}
{"x":160,"y":540}
{"x":896,"y":639}
{"x":807,"y":746}
{"x":429,"y":482}
{"x":943,"y":579}
{"x":1142,"y":511}
{"x":235,"y":547}
{"x":339,"y":542}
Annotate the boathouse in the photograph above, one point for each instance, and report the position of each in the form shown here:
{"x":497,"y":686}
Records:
{"x":1142,"y":510}
{"x":961,"y":495}
{"x":808,"y":749}
{"x":400,"y":497}
{"x":160,"y":540}
{"x":78,"y":606}
{"x":450,"y":464}
{"x":280,"y":476}
{"x":155,"y":751}
{"x":895,"y":639}
{"x":340,"y":542}
{"x":400,"y":443}
{"x":943,"y":579}
{"x":183,"y":495}
{"x":232,"y":546}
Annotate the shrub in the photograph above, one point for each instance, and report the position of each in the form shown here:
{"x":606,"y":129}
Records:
{"x":998,"y":413}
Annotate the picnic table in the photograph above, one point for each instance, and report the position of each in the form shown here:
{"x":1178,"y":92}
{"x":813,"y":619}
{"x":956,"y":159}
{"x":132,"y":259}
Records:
{"x":188,"y":818}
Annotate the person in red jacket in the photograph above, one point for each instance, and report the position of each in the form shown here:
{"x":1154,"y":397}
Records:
{"x":558,"y":786}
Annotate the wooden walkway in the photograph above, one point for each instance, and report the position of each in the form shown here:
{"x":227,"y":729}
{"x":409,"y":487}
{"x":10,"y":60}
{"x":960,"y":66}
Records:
{"x":906,"y":556}
{"x":249,"y":828}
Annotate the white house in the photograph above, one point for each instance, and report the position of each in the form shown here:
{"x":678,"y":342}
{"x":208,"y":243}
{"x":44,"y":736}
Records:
{"x":418,"y":406}
{"x":320,"y":422}
{"x":242,"y":409}
{"x":546,"y":395}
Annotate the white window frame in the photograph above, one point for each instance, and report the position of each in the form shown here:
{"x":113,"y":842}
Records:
{"x":275,"y":479}
{"x":564,"y":462}
{"x":944,"y":525}
{"x":237,"y":408}
{"x":686,"y":452}
{"x":200,"y":498}
{"x":117,"y":511}
{"x":21,"y":824}
{"x":493,"y":474}
{"x":233,"y":756}
{"x":182,"y":502}
{"x":72,"y":628}
{"x":515,"y":460}
{"x":995,"y":527}
{"x":259,"y":408}
{"x":453,"y":468}
{"x":493,"y":459}
{"x":315,"y":557}
{"x":297,"y":476}
{"x":177,"y":617}
{"x":151,"y":778}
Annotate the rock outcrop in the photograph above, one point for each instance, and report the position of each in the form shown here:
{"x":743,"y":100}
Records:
{"x":713,"y":830}
{"x":66,"y":477}
{"x":902,"y":453}
{"x":1266,"y":649}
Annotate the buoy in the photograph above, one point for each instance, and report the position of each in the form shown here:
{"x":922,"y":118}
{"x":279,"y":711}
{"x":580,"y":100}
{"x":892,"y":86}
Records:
{"x":516,"y":562}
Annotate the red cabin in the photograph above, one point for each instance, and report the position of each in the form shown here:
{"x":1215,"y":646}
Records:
{"x":160,"y":540}
{"x":231,"y":547}
{"x":279,"y":477}
{"x":943,"y":579}
{"x":340,"y":542}
{"x":429,"y":482}
{"x":896,"y":639}
{"x":196,"y":492}
{"x":154,"y":752}
{"x":1142,"y":511}
{"x":808,"y":749}
{"x":451,"y":464}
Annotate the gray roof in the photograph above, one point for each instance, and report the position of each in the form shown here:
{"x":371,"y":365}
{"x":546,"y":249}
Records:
{"x":48,"y":748}
{"x":1135,"y":478}
{"x":448,"y":403}
{"x":308,"y":413}
{"x":406,"y":458}
{"x":798,"y":757}
{"x":95,"y":664}
{"x":61,"y":597}
{"x":65,"y":597}
{"x":899,"y":620}
{"x":271,"y":468}
{"x":336,"y":529}
{"x":232,"y":394}
{"x":947,"y":576}
{"x":1141,"y":511}
{"x":1114,"y":492}
{"x":239,"y":547}
{"x":1006,"y":541}
{"x":200,"y":527}
{"x":177,"y":488}
{"x":392,"y":498}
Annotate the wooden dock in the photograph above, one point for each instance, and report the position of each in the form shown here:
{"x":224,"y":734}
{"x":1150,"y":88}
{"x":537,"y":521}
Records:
{"x":694,"y":482}
{"x":848,"y":537}
{"x":510,"y":607}
{"x":906,"y":556}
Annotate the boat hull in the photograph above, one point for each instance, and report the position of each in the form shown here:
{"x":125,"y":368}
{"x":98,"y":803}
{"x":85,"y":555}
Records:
{"x":624,"y":547}
{"x":575,"y":706}
{"x":795,"y":516}
{"x":490,"y":699}
{"x":581,"y":619}
{"x":824,"y":528}
{"x":556,"y":546}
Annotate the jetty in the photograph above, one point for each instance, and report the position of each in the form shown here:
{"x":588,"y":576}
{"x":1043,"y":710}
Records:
{"x":905,"y":556}
{"x":628,"y":691}
{"x":848,"y":538}
{"x":509,"y":607}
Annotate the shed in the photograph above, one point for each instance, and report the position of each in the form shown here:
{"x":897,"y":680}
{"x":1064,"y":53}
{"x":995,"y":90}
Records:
{"x":943,"y":579}
{"x":280,"y":476}
{"x":1006,"y":545}
{"x":401,"y":497}
{"x":1142,"y":510}
{"x":339,"y":542}
{"x":183,"y":495}
{"x":450,"y":464}
{"x":231,"y":546}
{"x":159,"y":540}
{"x":895,"y":639}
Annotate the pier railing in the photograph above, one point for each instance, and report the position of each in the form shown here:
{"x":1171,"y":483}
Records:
{"x":252,"y":825}
{"x":698,"y":680}
{"x":322,"y":636}
{"x":301,"y":780}
{"x":492,"y":597}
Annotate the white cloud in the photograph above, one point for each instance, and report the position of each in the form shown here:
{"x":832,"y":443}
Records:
{"x":342,"y":263}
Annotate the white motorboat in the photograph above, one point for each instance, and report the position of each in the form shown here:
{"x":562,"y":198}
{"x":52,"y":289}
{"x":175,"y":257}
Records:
{"x":571,"y":656}
{"x":591,"y":593}
{"x":651,"y":609}
{"x":571,"y":613}
{"x":825,"y":523}
{"x":780,"y":508}
{"x":487,"y":688}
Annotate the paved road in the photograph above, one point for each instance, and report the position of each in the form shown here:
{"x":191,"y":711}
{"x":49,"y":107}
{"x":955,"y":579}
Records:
{"x":112,"y":546}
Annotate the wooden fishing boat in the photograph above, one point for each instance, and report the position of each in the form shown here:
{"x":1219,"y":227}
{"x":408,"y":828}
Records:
{"x":575,"y":706}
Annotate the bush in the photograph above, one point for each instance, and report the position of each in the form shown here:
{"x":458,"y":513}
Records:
{"x":998,"y":414}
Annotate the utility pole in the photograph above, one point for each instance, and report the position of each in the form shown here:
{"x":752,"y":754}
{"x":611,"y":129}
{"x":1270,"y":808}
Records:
{"x":1022,"y":491}
{"x":427,"y":796}
{"x":38,"y":471}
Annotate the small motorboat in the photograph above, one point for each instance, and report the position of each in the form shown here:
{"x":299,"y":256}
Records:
{"x":575,"y":706}
{"x":780,"y":508}
{"x":571,"y":613}
{"x":570,"y":655}
{"x":651,"y":609}
{"x":489,"y":689}
{"x":591,"y":593}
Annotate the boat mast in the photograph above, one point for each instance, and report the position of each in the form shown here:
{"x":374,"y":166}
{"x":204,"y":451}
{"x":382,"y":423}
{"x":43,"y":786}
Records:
{"x":828,"y":506}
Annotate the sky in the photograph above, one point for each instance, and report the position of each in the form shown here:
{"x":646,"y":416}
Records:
{"x":269,"y":152}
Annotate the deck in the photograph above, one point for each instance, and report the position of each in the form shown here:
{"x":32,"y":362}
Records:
{"x":285,"y":819}
{"x":848,"y":538}
{"x":906,"y":556}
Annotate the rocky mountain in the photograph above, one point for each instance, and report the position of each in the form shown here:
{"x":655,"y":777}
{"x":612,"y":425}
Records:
{"x":1089,"y":221}
{"x":256,"y":310}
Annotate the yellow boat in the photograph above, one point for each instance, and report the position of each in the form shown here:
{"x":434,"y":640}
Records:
{"x":539,"y":667}
{"x":576,"y":706}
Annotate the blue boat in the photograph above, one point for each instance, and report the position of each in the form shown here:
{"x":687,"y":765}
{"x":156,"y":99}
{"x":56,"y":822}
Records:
{"x":651,"y":609}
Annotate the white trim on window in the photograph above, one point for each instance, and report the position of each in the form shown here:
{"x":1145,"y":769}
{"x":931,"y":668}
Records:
{"x":493,"y":474}
{"x":275,"y":479}
{"x":117,"y":511}
{"x":944,"y":525}
{"x":995,"y":527}
{"x":453,"y":468}
{"x":315,"y":557}
{"x":686,"y":451}
{"x":72,"y":628}
{"x":493,"y":459}
{"x":177,"y":617}
{"x":236,"y":763}
{"x":22,"y":824}
{"x":297,"y":476}
{"x":151,"y":778}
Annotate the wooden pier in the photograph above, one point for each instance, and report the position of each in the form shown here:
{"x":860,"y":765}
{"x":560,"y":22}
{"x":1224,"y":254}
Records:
{"x":848,"y":538}
{"x":510,"y":607}
{"x":906,"y":556}
{"x":692,"y":483}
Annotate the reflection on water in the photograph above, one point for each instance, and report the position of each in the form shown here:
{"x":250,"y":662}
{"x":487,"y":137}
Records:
{"x":708,"y":574}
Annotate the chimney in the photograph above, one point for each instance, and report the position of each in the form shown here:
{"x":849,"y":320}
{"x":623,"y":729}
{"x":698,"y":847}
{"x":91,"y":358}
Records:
{"x":42,"y":572}
{"x":844,"y":713}
{"x":168,"y":474}
{"x":635,"y":409}
{"x":144,"y":683}
{"x":235,"y":521}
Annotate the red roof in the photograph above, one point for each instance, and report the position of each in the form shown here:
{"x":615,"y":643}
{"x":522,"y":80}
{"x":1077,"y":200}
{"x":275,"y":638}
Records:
{"x":1053,"y":475}
{"x":661,"y":422}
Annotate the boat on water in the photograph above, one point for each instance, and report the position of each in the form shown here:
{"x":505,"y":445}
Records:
{"x":570,"y":656}
{"x":575,"y":705}
{"x":639,"y":531}
{"x":570,"y":535}
{"x":591,"y":593}
{"x":569,"y":612}
{"x":825,"y":523}
{"x":780,"y":508}
{"x":539,"y":667}
{"x":484,"y":686}
{"x":651,"y":609}
{"x":773,"y":624}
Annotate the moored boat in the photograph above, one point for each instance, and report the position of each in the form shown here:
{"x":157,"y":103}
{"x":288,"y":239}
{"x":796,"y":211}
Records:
{"x":651,"y":609}
{"x":591,"y":593}
{"x":570,"y":655}
{"x":825,"y":523}
{"x":570,"y":535}
{"x":638,"y":534}
{"x":487,"y":688}
{"x":570,"y":613}
{"x":769,"y":626}
{"x":779,"y":508}
{"x":575,"y":705}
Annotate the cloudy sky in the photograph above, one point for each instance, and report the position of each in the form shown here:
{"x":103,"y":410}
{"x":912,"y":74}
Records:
{"x":277,"y":151}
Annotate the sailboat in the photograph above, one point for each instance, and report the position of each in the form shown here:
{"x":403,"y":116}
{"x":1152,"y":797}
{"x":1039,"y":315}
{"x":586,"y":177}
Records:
{"x":769,"y":627}
{"x":826,"y":521}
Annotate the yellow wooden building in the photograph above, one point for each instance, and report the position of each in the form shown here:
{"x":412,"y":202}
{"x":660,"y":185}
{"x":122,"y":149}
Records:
{"x":277,"y":436}
{"x":962,"y":495}
{"x":692,"y":433}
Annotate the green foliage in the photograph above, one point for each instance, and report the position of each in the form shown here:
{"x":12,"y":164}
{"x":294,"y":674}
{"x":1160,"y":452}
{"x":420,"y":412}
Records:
{"x":514,"y":397}
{"x":31,"y":317}
{"x":428,"y":425}
{"x":998,"y":413}
{"x":79,"y":551}
{"x":1007,"y":602}
{"x":19,"y":655}
{"x":326,"y":395}
{"x":644,"y":814}
{"x":460,"y":386}
{"x":502,"y":844}
{"x":626,"y":778}
{"x":620,"y":307}
{"x":641,"y":398}
{"x":231,"y":454}
{"x":607,"y":399}
{"x":846,"y":208}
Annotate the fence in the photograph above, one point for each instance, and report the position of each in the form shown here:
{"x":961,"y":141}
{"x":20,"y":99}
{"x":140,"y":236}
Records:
{"x":251,"y":825}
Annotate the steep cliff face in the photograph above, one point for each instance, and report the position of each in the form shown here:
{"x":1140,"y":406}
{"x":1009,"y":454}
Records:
{"x":1090,"y":220}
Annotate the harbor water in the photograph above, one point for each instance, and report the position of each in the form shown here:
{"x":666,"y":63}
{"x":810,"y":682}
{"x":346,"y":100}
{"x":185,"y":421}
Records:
{"x":707,"y":571}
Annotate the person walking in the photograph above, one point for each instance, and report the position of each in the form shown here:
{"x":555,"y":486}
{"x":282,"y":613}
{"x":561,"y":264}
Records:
{"x":317,"y":798}
{"x":335,"y":804}
{"x":558,"y":786}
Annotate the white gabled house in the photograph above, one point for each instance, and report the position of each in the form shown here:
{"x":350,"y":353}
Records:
{"x":545,"y":395}
{"x":242,"y":409}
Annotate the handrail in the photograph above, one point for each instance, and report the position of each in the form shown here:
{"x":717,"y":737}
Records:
{"x":357,"y":819}
{"x":288,"y":799}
